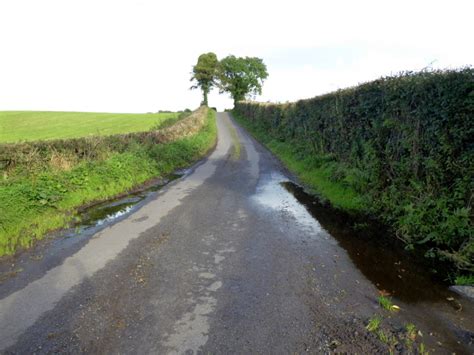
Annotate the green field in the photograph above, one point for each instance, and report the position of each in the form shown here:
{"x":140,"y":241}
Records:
{"x":16,"y":126}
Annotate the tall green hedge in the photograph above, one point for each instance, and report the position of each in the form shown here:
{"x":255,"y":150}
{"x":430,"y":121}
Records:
{"x":36,"y":155}
{"x":408,"y":142}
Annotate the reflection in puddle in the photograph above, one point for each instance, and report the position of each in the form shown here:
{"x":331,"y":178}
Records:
{"x":273,"y":195}
{"x":103,"y":213}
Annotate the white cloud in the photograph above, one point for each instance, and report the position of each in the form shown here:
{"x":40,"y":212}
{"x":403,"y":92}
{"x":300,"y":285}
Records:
{"x":136,"y":56}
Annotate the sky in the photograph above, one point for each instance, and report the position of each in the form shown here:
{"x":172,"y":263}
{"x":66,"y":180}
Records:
{"x":137,"y":56}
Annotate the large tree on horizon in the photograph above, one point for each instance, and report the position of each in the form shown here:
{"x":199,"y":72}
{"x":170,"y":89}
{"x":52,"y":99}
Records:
{"x":205,"y":74}
{"x":241,"y":77}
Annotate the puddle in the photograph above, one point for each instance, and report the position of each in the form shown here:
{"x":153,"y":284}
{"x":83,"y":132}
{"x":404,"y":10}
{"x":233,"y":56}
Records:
{"x":104,"y":213}
{"x":385,"y":263}
{"x":98,"y":216}
{"x":382,"y":261}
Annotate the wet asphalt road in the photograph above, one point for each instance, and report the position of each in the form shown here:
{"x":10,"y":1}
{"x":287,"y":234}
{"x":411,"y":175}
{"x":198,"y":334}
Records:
{"x":224,"y":260}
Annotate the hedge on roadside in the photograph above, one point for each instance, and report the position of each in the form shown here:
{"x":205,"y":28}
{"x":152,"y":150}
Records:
{"x":407,"y":143}
{"x":15,"y":157}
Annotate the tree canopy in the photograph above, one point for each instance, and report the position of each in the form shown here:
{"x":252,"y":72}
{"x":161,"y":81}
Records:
{"x":240,"y":77}
{"x":205,"y":74}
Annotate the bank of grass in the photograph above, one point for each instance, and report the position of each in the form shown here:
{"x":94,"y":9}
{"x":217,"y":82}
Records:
{"x":317,"y":173}
{"x":33,"y":204}
{"x":18,"y":126}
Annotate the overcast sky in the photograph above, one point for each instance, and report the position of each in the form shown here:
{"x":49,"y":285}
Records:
{"x":136,"y":56}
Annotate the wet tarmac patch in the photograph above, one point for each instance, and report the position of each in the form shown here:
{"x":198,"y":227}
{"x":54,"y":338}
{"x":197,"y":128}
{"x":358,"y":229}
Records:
{"x":272,"y":194}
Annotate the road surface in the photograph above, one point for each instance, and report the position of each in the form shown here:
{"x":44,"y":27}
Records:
{"x":223,"y":260}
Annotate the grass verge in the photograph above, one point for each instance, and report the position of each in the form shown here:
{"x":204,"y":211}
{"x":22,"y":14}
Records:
{"x":33,"y":204}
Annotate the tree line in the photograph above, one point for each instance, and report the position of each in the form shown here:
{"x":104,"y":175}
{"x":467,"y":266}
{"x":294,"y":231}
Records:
{"x":239,"y":76}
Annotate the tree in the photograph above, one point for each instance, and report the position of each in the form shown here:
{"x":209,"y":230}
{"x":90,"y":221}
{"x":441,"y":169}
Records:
{"x":205,"y":73}
{"x":241,"y":76}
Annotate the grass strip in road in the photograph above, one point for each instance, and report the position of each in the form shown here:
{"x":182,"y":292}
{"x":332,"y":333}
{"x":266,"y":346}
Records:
{"x":33,"y":204}
{"x":235,"y":141}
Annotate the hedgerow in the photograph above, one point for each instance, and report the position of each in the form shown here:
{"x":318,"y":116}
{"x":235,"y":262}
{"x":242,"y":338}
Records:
{"x":405,"y":143}
{"x":31,"y":156}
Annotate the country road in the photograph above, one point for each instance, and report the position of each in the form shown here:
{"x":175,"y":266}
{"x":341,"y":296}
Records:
{"x":223,"y":260}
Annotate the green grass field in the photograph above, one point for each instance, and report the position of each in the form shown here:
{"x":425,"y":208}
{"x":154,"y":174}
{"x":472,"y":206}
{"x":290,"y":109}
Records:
{"x":16,"y":126}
